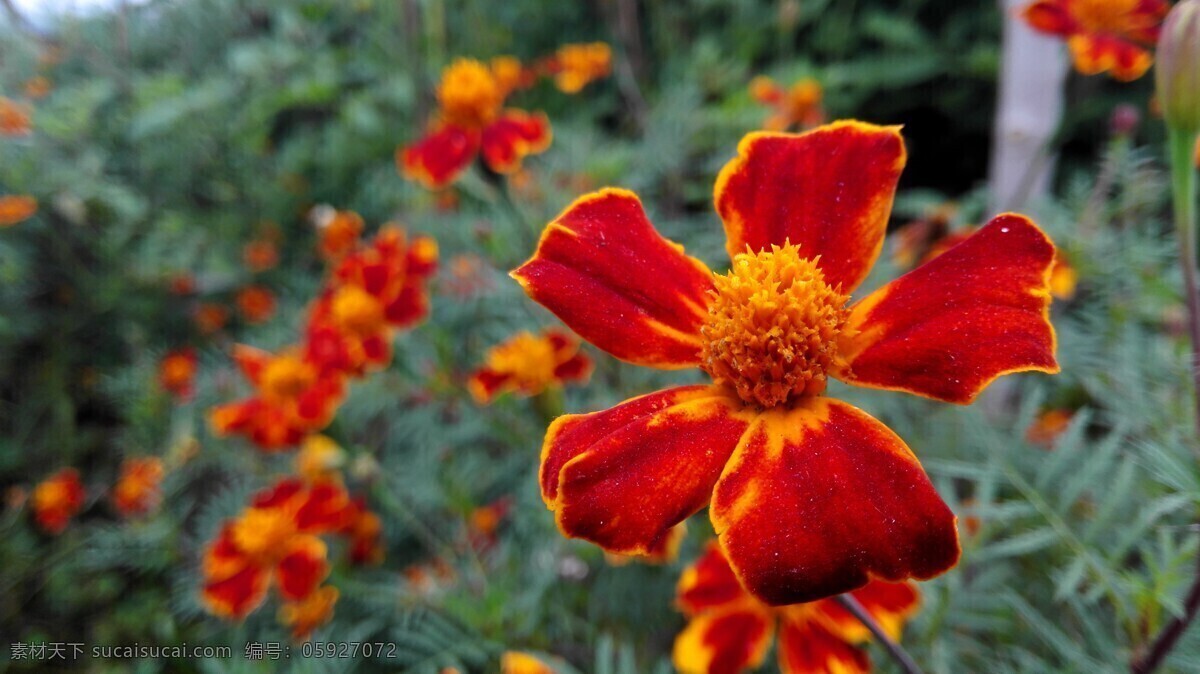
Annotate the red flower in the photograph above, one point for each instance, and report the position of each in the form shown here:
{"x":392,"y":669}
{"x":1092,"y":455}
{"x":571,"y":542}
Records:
{"x":177,"y":372}
{"x":730,"y":631}
{"x":528,"y":364}
{"x":1103,"y":35}
{"x":473,"y":122}
{"x":810,"y":496}
{"x":798,"y":106}
{"x":138,"y":489}
{"x":256,"y":303}
{"x":57,"y":499}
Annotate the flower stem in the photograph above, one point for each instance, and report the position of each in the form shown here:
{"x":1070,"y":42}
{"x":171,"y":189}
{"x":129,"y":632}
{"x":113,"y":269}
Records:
{"x":895,"y":650}
{"x":1183,"y":180}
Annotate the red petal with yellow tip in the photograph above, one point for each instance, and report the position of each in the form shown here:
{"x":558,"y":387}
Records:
{"x":890,"y":604}
{"x":623,"y":477}
{"x":806,"y":647}
{"x":303,"y":568}
{"x":513,"y":136}
{"x":708,"y":583}
{"x":728,"y":640}
{"x":948,"y":328}
{"x":820,"y":499}
{"x":440,"y":157}
{"x":237,"y":595}
{"x":828,"y":191}
{"x":605,"y":271}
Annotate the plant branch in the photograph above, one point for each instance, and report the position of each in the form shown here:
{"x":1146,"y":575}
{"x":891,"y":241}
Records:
{"x":895,"y":650}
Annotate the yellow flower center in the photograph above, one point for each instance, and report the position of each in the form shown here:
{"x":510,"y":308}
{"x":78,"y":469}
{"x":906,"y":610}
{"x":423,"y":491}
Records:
{"x":1104,"y":15}
{"x":262,"y":533}
{"x":772,"y":328}
{"x":286,"y":377}
{"x":527,"y":357}
{"x":469,"y":94}
{"x":357,"y":311}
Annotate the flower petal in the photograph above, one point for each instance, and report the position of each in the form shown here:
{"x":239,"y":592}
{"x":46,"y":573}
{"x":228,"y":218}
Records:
{"x":948,"y":328}
{"x":513,"y":136}
{"x":806,"y":647}
{"x":1050,"y":16}
{"x":708,"y":583}
{"x":440,"y":157}
{"x":605,"y":271}
{"x":820,"y":499}
{"x":622,"y":478}
{"x":302,"y":568}
{"x":1095,"y":54}
{"x":890,"y":604}
{"x":724,"y":641}
{"x":828,"y":191}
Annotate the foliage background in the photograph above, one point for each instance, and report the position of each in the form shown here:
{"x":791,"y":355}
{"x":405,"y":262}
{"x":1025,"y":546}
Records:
{"x":176,"y":129}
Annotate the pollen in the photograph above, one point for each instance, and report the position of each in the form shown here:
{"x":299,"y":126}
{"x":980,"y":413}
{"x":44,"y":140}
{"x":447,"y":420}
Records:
{"x":286,"y":377}
{"x":357,"y":311}
{"x":469,"y":93}
{"x":772,"y":327}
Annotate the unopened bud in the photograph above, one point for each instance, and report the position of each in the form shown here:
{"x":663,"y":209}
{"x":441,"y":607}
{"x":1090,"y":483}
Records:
{"x":1124,"y":120}
{"x":1178,"y":70}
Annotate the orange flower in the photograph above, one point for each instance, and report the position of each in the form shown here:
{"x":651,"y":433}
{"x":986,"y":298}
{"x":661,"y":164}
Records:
{"x":473,"y":121}
{"x":1103,"y":35}
{"x":294,"y":397}
{"x":485,"y":521}
{"x":365,"y":531}
{"x":256,"y":303}
{"x":57,"y":499}
{"x":1048,"y":426}
{"x":730,"y":631}
{"x":574,"y":66}
{"x":798,"y":106}
{"x":528,"y":364}
{"x":319,"y":458}
{"x":274,"y":542}
{"x":211,"y":318}
{"x":37,"y":87}
{"x":260,"y":255}
{"x":138,"y":489}
{"x":14,"y":118}
{"x":308,"y":614}
{"x":516,"y":662}
{"x":338,"y":231}
{"x":811,"y":497}
{"x":177,"y":372}
{"x":16,"y":208}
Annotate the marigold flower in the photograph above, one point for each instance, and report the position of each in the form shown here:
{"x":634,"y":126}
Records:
{"x":57,"y":499}
{"x":308,"y":614}
{"x":1048,"y":426}
{"x":485,"y":521}
{"x":574,"y":66}
{"x":1112,"y":36}
{"x":810,"y":496}
{"x":181,"y":283}
{"x":177,"y":372}
{"x":260,"y":255}
{"x":528,"y":364}
{"x":365,"y":532}
{"x":138,"y":488}
{"x":798,"y":106}
{"x":37,"y":87}
{"x":516,"y":662}
{"x":730,"y":631}
{"x":256,"y":304}
{"x":338,"y":231}
{"x":14,"y":118}
{"x":211,"y":318}
{"x":295,"y":396}
{"x":319,"y":458}
{"x":472,"y":121}
{"x":15,"y":208}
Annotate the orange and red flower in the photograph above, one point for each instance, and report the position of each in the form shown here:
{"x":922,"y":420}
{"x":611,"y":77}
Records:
{"x":1103,"y":35}
{"x":37,"y":87}
{"x":260,"y":255}
{"x":473,"y":121}
{"x":210,"y":318}
{"x":574,"y":66}
{"x":528,"y":364}
{"x":307,"y":614}
{"x":798,"y":106}
{"x":57,"y":499}
{"x":14,"y":118}
{"x":294,"y":396}
{"x":256,"y":304}
{"x":177,"y":372}
{"x":1048,"y":426}
{"x":338,"y":231}
{"x":15,"y":208}
{"x":138,"y":489}
{"x":516,"y":662}
{"x":810,"y":496}
{"x":730,"y":631}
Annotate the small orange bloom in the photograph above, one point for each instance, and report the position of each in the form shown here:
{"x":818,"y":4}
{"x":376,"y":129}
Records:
{"x":211,"y":318}
{"x":14,"y":118}
{"x":182,"y":283}
{"x":138,"y":489}
{"x":319,"y":458}
{"x":784,"y":470}
{"x":339,"y":231}
{"x":256,"y":304}
{"x":57,"y":499}
{"x":1103,"y":35}
{"x":516,"y":662}
{"x":308,"y":614}
{"x":472,"y":121}
{"x":485,"y":521}
{"x":1048,"y":426}
{"x":798,"y":106}
{"x":729,"y":631}
{"x":260,"y":255}
{"x":37,"y":87}
{"x":177,"y":372}
{"x":528,"y":364}
{"x":16,"y":208}
{"x":574,"y":66}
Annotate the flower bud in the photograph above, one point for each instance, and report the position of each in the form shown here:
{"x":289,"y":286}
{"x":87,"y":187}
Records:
{"x":1124,"y":120}
{"x":1178,"y":71}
